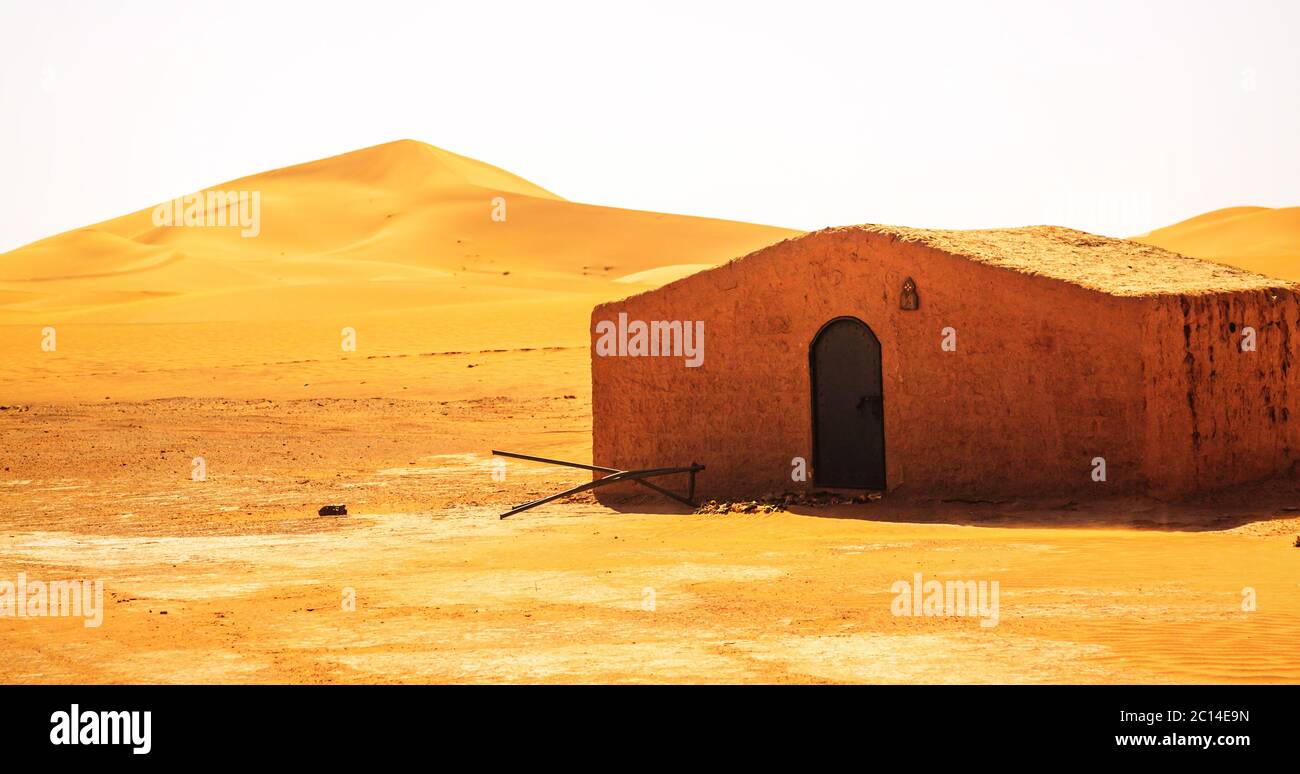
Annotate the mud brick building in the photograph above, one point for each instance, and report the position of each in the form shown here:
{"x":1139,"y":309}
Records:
{"x":978,"y":364}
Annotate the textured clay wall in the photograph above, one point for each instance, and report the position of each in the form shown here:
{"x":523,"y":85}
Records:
{"x":1046,"y":375}
{"x":1219,"y":415}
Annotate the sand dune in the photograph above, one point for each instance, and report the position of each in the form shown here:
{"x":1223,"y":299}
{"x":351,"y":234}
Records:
{"x":1258,"y":239}
{"x":397,"y":226}
{"x":397,"y":242}
{"x":663,"y":274}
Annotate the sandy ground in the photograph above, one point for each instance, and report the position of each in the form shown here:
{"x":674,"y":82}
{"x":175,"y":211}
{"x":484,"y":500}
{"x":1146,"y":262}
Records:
{"x":235,"y":579}
{"x":170,"y":344}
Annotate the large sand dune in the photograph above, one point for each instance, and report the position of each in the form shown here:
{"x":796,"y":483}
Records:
{"x":398,"y":242}
{"x":1258,"y":239}
{"x":398,"y":226}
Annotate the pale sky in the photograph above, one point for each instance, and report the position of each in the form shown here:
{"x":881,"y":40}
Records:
{"x":1113,"y":117}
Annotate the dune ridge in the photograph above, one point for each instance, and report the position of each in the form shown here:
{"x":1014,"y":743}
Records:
{"x":1259,"y":239}
{"x":402,"y":225}
{"x":397,"y":242}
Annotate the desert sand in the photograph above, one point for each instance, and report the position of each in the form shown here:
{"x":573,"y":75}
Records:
{"x":1258,"y":239}
{"x":397,"y":242}
{"x":177,"y":343}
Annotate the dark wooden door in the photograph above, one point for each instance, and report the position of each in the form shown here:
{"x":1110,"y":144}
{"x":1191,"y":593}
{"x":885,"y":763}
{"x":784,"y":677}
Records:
{"x":848,"y":407}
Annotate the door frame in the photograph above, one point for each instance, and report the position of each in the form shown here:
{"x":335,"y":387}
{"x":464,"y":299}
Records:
{"x":812,"y":382}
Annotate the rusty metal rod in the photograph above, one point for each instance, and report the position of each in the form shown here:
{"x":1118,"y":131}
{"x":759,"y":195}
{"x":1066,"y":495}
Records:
{"x":614,"y":478}
{"x":531,"y":458}
{"x":689,"y":500}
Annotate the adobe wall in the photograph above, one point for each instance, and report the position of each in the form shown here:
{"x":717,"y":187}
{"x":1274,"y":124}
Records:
{"x":1218,"y":415}
{"x":1046,"y":375}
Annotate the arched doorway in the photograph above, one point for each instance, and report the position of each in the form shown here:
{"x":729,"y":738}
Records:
{"x":848,"y":407}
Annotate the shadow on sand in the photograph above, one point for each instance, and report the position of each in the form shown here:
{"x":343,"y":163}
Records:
{"x":1268,"y":501}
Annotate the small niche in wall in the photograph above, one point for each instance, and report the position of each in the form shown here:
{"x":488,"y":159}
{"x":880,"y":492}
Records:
{"x":909,"y":300}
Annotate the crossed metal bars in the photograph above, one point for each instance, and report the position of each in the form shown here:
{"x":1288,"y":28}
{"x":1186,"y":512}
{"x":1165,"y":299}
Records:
{"x":613,"y":476}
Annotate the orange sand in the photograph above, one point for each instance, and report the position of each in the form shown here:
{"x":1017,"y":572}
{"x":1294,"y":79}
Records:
{"x":1258,"y":239}
{"x":177,"y":343}
{"x":397,"y":242}
{"x":235,"y":580}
